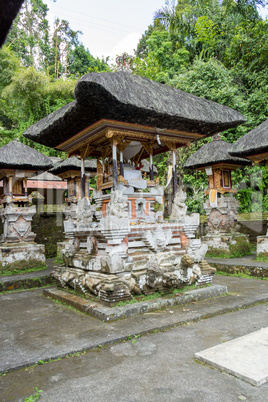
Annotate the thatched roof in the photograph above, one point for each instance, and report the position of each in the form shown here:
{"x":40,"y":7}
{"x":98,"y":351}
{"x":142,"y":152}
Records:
{"x":253,"y":143}
{"x":215,"y":152}
{"x":74,"y":163}
{"x":46,"y":176}
{"x":132,"y":99}
{"x":16,"y":155}
{"x":55,"y":159}
{"x":9,"y":10}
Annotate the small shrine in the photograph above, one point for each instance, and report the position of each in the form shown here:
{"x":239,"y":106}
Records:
{"x":70,"y":170}
{"x":221,"y":206}
{"x":119,"y":244}
{"x":254,"y":146}
{"x":17,"y":163}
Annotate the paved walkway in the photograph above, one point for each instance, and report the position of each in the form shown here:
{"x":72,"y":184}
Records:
{"x":156,"y":367}
{"x":248,"y":261}
{"x":35,"y":328}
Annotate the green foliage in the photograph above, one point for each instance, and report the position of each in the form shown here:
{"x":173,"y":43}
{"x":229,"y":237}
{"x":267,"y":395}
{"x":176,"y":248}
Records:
{"x":262,"y":257}
{"x":14,"y":271}
{"x":252,"y":184}
{"x":158,"y":207}
{"x":35,"y":65}
{"x":240,"y":249}
{"x":218,"y":51}
{"x":35,"y":396}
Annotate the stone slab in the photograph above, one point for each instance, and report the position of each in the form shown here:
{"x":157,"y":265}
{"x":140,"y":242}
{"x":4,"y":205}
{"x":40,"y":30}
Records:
{"x":245,"y":357}
{"x":108,"y":314}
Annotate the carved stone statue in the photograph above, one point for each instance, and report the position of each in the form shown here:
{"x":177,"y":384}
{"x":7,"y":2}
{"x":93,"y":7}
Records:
{"x":117,"y":204}
{"x":179,"y":209}
{"x":84,"y":211}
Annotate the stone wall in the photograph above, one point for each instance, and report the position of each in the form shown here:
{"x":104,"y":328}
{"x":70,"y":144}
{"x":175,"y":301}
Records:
{"x":251,"y":228}
{"x":49,"y":231}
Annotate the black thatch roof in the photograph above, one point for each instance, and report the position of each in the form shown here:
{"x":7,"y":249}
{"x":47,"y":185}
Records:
{"x":253,"y":143}
{"x":215,"y":152}
{"x":8,"y":12}
{"x":74,"y":163}
{"x":16,"y":155}
{"x":132,"y":99}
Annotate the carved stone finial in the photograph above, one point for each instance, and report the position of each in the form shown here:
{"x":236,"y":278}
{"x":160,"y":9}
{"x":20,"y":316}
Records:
{"x":217,"y":137}
{"x":124,"y":62}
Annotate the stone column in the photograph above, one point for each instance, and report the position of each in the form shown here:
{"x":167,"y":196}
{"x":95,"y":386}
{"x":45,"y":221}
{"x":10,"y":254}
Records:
{"x":83,"y":178}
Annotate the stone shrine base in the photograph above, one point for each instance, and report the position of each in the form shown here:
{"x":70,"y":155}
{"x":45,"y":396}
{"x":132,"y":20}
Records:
{"x":20,"y":256}
{"x":107,"y":314}
{"x":262,"y":246}
{"x":226,"y":243}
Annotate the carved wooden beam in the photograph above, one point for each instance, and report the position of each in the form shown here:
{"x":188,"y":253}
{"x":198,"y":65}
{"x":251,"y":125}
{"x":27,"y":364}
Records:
{"x":148,"y":146}
{"x":86,"y":151}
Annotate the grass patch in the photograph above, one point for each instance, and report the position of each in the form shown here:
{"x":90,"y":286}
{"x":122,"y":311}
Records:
{"x":6,"y":272}
{"x":240,"y":275}
{"x":263,"y":258}
{"x":34,"y":397}
{"x":157,"y":295}
{"x":59,"y":260}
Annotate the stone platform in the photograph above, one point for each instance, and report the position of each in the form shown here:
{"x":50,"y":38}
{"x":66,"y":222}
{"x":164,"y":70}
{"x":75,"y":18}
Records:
{"x":245,"y":357}
{"x":108,"y":314}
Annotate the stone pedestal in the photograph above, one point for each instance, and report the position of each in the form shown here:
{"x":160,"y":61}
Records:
{"x":223,"y":235}
{"x":223,"y":215}
{"x":17,"y":247}
{"x":116,"y":257}
{"x":262,"y":246}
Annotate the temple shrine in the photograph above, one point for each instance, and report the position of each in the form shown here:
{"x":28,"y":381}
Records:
{"x":221,"y":207}
{"x":254,"y":146}
{"x":119,"y":244}
{"x":18,"y":162}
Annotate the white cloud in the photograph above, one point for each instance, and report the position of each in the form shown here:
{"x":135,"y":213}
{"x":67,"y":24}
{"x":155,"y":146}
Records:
{"x":127,"y":44}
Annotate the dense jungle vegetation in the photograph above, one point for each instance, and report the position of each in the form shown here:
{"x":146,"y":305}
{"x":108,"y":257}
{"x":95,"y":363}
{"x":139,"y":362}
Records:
{"x":210,"y":48}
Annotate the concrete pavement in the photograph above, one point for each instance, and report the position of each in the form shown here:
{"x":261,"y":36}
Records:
{"x":156,"y":367}
{"x":36,"y":328}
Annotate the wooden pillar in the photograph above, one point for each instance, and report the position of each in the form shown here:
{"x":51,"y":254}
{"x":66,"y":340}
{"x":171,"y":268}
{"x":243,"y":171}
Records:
{"x":174,"y":172}
{"x":83,"y":178}
{"x":25,"y":187}
{"x":115,"y":174}
{"x":151,"y":167}
{"x":121,"y":164}
{"x":10,"y":185}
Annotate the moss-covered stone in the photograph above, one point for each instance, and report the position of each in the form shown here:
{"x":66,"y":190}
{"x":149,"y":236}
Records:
{"x":22,"y":266}
{"x":241,"y":270}
{"x":49,"y":231}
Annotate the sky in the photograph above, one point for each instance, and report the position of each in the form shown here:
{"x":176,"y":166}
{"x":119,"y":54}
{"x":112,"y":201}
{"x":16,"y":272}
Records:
{"x":109,"y":27}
